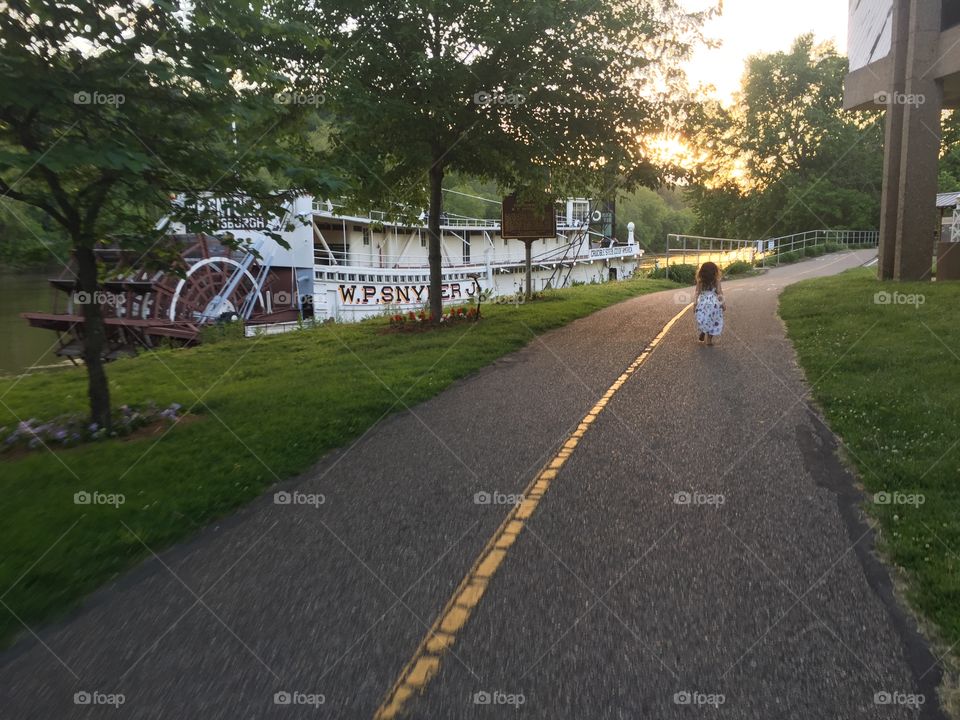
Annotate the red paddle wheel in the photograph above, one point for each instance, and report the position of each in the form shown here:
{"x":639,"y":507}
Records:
{"x":144,"y":308}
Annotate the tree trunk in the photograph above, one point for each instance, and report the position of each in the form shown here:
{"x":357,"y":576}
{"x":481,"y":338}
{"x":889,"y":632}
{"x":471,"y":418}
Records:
{"x":94,"y":335}
{"x":433,"y":229}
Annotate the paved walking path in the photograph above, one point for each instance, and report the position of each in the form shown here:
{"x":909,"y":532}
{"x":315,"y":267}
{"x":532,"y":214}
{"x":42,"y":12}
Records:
{"x":758,"y":598}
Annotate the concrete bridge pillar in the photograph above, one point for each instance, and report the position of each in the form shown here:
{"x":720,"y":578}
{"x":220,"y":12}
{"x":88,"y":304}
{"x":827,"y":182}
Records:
{"x":920,"y":146}
{"x":914,"y":101}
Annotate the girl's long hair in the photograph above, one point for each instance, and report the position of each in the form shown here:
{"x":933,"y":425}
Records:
{"x":707,"y":276}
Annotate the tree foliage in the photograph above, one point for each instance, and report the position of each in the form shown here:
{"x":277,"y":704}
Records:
{"x":654,"y":214}
{"x":548,"y":96}
{"x":786,"y":157}
{"x":106,"y":111}
{"x":950,"y":152}
{"x":30,"y":239}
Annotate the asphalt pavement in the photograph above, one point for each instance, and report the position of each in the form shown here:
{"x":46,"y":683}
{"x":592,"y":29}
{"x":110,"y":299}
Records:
{"x":702,"y":550}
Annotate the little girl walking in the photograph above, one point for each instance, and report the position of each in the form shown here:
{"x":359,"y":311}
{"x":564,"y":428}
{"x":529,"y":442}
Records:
{"x":709,"y":302}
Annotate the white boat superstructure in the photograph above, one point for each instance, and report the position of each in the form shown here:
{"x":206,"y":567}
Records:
{"x":329,"y":264}
{"x":371,"y":264}
{"x":347,"y":266}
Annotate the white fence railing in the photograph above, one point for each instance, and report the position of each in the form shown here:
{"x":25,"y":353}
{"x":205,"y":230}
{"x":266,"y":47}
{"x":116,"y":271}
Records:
{"x":801,"y":242}
{"x":694,"y":249}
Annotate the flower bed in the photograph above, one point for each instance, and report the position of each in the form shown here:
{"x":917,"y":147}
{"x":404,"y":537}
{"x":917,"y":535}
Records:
{"x":422,"y":320}
{"x":70,"y":430}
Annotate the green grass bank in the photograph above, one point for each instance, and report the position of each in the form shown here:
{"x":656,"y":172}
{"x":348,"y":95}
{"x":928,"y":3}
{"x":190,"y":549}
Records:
{"x":884,"y":363}
{"x":266,"y":409}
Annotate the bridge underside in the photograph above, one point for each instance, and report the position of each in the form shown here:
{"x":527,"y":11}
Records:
{"x":913,"y":82}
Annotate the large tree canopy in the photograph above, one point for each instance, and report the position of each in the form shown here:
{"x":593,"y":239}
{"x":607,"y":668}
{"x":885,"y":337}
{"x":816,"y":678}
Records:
{"x":786,"y":157}
{"x":106,"y":111}
{"x":553,"y":95}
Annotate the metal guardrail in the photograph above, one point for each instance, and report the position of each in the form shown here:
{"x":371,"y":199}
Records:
{"x":800,"y":242}
{"x":695,"y":249}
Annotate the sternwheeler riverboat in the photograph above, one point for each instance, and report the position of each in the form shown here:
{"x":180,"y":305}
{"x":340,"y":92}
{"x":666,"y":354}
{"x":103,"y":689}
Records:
{"x":338,"y":266}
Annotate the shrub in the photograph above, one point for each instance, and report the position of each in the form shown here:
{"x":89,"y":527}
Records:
{"x":222,"y":331}
{"x":739,"y":267}
{"x":685,"y":274}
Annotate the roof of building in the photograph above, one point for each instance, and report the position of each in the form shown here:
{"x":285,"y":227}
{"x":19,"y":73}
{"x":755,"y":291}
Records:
{"x":948,"y":200}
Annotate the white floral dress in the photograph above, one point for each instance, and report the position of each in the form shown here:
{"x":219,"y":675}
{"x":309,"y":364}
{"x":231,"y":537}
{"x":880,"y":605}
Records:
{"x":709,"y":313}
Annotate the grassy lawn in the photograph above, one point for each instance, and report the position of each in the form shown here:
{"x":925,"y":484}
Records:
{"x":888,"y":379}
{"x":267,"y":409}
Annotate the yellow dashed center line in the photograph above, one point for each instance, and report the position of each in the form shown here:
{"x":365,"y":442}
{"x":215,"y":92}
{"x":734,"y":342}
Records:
{"x":441,"y":636}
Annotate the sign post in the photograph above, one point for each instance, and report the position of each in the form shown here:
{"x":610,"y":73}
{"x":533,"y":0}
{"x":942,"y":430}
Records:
{"x":527,"y":221}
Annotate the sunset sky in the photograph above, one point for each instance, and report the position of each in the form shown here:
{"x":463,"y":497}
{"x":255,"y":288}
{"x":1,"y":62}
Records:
{"x":747,"y":27}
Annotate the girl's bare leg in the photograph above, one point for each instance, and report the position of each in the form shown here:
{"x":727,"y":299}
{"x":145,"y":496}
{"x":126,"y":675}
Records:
{"x":709,"y":339}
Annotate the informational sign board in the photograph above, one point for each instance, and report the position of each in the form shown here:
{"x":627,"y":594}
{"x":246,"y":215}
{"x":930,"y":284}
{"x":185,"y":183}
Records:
{"x":771,"y":245}
{"x":521,"y":221}
{"x":870,"y":31}
{"x":234,"y":213}
{"x":615,"y":251}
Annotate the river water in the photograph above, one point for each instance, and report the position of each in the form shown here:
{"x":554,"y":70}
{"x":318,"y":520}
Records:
{"x":22,"y":346}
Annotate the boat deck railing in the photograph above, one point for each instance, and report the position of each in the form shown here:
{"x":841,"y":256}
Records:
{"x":338,"y":260}
{"x":402,"y":218}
